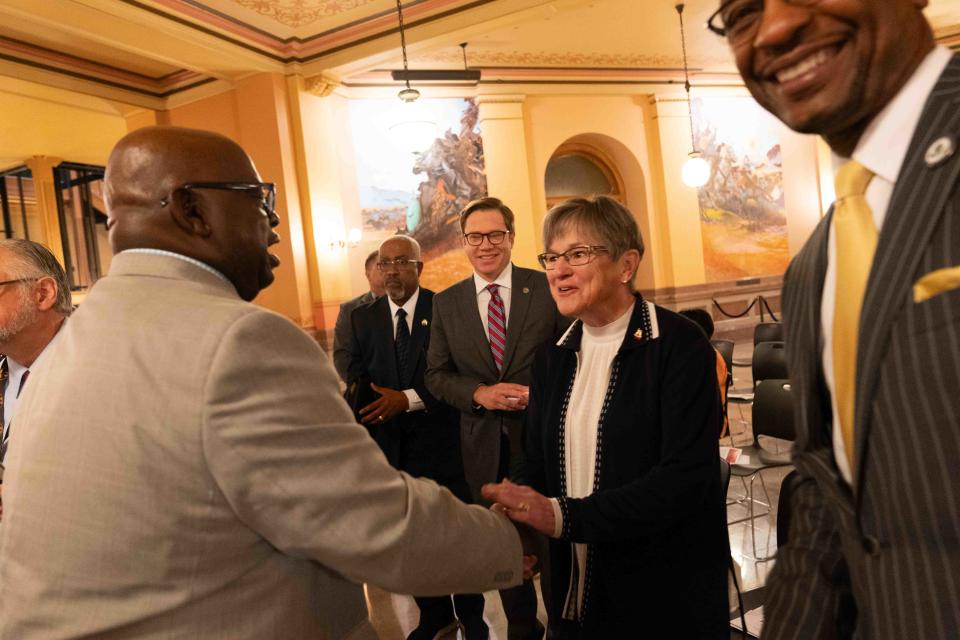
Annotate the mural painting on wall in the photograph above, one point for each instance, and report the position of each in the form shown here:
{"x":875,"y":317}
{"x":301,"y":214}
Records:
{"x":417,"y":166}
{"x":742,"y":218}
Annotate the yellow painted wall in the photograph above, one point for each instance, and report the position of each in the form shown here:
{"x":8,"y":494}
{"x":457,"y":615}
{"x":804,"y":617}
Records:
{"x":35,"y":126}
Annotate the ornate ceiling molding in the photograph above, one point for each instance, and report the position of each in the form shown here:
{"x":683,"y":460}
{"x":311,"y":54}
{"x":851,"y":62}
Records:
{"x":297,"y":13}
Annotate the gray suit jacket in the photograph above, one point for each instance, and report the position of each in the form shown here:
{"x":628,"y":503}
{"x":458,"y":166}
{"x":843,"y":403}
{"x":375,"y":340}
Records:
{"x":184,"y":467}
{"x":342,"y":331}
{"x":459,"y":360}
{"x":884,"y":561}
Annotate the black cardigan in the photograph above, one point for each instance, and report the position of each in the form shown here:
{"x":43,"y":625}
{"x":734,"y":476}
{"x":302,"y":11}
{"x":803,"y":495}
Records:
{"x":656,"y":524}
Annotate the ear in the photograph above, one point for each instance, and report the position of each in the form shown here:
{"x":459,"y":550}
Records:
{"x":188,"y":212}
{"x":46,"y":293}
{"x":629,"y":263}
{"x":419,"y":268}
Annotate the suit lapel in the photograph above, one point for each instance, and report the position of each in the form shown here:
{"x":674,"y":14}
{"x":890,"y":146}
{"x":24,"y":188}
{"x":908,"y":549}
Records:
{"x":421,"y":327}
{"x":519,"y":305}
{"x":916,"y":205}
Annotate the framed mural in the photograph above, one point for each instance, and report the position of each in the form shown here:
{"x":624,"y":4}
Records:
{"x":742,"y":218}
{"x":417,"y":166}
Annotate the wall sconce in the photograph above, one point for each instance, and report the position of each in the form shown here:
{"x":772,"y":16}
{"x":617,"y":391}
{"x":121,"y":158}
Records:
{"x":695,"y":171}
{"x":350,"y":242}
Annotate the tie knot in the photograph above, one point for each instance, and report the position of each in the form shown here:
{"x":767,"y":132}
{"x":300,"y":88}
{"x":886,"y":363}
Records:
{"x":852,"y":180}
{"x":494,"y":289}
{"x":401,"y":313}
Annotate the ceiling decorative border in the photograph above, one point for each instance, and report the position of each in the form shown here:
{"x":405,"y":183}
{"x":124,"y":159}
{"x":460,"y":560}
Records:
{"x":294,"y":13}
{"x":302,"y":50}
{"x":46,"y":59}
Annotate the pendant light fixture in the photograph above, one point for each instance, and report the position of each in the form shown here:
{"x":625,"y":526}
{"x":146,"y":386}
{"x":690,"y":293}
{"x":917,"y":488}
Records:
{"x":407,"y":94}
{"x":695,"y":171}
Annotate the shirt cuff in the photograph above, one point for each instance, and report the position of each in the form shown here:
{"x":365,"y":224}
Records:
{"x":557,"y":518}
{"x":413,"y":398}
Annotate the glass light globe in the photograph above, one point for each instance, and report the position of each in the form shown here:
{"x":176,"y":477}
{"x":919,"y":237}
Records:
{"x":695,"y":171}
{"x":353,"y":238}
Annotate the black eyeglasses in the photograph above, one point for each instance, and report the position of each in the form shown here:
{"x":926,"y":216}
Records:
{"x":476,"y":239}
{"x":17,"y":281}
{"x":399,"y":263}
{"x":575,"y":256}
{"x":267,"y":190}
{"x":738,"y":20}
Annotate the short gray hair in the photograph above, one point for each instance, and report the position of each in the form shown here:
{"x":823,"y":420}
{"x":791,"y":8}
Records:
{"x":611,"y":222}
{"x":410,"y":240}
{"x":33,"y":260}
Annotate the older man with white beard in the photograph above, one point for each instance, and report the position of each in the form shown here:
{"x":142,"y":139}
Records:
{"x":34,"y":302}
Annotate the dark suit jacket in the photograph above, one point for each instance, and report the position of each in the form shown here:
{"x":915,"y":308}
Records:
{"x":883,"y":562}
{"x":655,"y":524}
{"x":459,"y":360}
{"x":422,"y":443}
{"x":341,"y":332}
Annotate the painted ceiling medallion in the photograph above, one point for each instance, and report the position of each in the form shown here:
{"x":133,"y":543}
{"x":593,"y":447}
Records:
{"x":296,"y":13}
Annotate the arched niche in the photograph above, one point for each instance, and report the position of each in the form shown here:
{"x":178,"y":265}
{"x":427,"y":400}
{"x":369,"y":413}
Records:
{"x":606,"y":167}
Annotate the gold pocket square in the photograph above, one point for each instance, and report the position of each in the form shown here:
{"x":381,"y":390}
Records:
{"x":935,"y":283}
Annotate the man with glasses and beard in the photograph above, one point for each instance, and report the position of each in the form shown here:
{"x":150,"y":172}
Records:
{"x":34,"y":303}
{"x":417,"y":433}
{"x":871,"y":306}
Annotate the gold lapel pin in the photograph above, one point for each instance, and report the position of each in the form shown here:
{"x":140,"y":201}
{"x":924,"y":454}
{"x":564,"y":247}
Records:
{"x":638,"y":334}
{"x":526,"y":290}
{"x":424,"y":322}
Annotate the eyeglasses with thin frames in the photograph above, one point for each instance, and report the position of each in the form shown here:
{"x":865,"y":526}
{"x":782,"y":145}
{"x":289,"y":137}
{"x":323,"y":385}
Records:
{"x":738,"y":20}
{"x":268,"y":193}
{"x":399,"y":263}
{"x":476,"y":239}
{"x":575,"y":256}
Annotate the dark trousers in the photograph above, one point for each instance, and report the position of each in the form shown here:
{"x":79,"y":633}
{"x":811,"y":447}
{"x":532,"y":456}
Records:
{"x":435,"y":612}
{"x":519,"y":603}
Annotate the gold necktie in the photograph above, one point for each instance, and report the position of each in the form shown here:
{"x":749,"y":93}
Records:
{"x":856,"y":236}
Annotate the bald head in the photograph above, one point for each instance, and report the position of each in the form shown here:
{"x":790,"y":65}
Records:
{"x":221,"y":224}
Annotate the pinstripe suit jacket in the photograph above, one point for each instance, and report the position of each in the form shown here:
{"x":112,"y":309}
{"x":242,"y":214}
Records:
{"x":883,"y":561}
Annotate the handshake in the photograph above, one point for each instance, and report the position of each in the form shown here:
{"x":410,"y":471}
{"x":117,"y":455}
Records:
{"x":529,"y":510}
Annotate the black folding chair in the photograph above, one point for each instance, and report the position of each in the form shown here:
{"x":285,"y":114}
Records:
{"x":767,"y":332}
{"x":769,"y":362}
{"x":773,"y":417}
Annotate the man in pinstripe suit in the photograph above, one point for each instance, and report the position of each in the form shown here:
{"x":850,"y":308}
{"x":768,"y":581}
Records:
{"x":872,"y":312}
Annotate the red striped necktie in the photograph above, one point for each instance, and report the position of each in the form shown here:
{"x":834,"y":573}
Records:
{"x":496,"y":325}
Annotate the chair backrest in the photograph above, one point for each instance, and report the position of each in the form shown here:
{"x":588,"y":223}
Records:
{"x":725,"y":347}
{"x":773,"y":410}
{"x":769,"y":361}
{"x":767,"y":332}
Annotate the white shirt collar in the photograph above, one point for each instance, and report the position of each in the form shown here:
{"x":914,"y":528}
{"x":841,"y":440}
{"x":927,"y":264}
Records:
{"x":883,"y":146}
{"x":409,"y":306}
{"x":171,"y":254}
{"x":505,"y":279}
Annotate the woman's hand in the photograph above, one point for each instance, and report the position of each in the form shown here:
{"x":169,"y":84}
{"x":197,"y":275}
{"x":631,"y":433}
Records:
{"x":522,"y":504}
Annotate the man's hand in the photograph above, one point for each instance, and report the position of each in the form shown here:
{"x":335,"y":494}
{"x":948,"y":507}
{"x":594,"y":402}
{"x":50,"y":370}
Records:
{"x":391,"y":403}
{"x":522,"y":505}
{"x":503,"y":396}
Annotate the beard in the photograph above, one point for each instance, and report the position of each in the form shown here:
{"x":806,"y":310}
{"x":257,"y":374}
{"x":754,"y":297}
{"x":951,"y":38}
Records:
{"x":25,"y":315}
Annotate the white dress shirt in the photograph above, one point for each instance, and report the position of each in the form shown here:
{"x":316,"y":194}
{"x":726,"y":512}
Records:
{"x":505,"y":281}
{"x":882,"y":149}
{"x":416,"y":403}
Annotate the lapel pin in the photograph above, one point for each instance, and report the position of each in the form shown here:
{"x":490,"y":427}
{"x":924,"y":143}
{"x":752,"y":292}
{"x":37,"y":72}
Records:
{"x":424,"y":322}
{"x":638,"y":334}
{"x":941,"y":149}
{"x":526,"y":290}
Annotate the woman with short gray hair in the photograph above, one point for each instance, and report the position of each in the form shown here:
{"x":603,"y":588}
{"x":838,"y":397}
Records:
{"x":622,"y":472}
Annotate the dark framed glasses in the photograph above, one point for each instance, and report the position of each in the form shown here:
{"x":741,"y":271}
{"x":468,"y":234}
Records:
{"x":476,"y":239}
{"x":575,"y":256}
{"x":267,"y":191}
{"x":738,"y":20}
